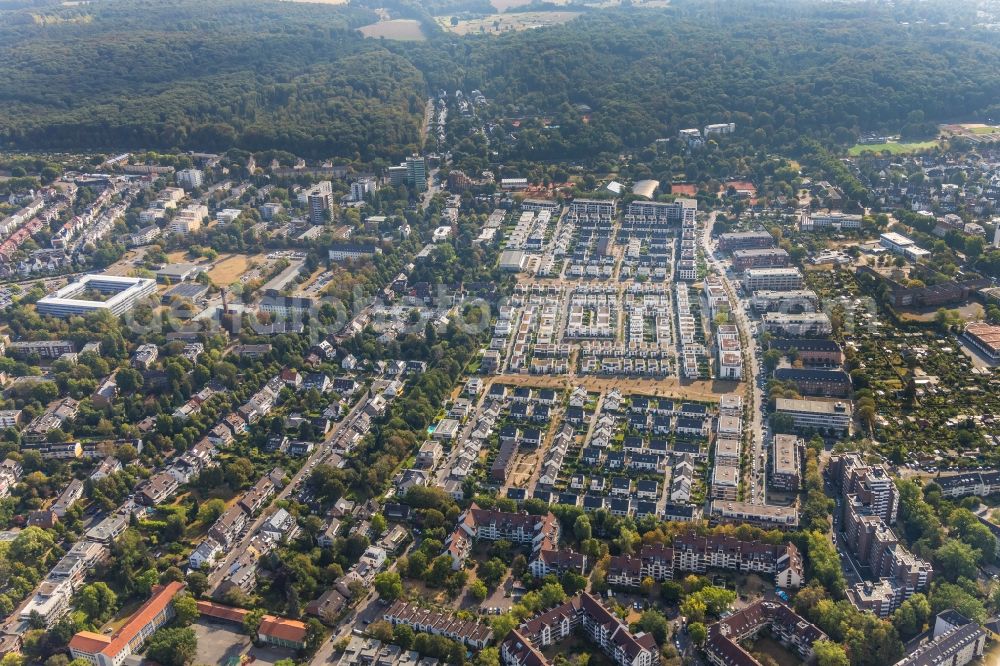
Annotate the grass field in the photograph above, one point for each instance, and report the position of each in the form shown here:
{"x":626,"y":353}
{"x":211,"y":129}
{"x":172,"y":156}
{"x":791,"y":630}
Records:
{"x":506,"y":22}
{"x":892,"y":148}
{"x":230,"y":269}
{"x":404,"y":30}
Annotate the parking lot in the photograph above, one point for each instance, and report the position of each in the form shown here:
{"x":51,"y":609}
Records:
{"x":222,"y":643}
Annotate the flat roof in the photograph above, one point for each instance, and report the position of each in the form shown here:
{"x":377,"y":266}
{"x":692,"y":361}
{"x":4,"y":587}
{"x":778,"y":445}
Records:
{"x":123,"y":288}
{"x":725,"y":475}
{"x":786,"y":455}
{"x":813,"y":406}
{"x":895,"y":238}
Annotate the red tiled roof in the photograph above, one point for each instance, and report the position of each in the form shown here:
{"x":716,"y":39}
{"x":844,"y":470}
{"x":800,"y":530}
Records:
{"x":162,"y":597}
{"x":220,"y":612}
{"x":282,"y":628}
{"x":88,"y":641}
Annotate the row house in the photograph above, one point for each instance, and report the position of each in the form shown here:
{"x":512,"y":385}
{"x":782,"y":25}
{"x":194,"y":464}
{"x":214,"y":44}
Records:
{"x":471,"y":633}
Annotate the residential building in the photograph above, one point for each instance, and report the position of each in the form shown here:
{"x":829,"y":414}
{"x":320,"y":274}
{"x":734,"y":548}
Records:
{"x":767,"y":516}
{"x":697,"y":554}
{"x":319,"y":200}
{"x":760,"y":258}
{"x":816,"y":381}
{"x":144,"y":236}
{"x":816,"y":415}
{"x":144,"y":357}
{"x":523,"y":646}
{"x":44,"y":349}
{"x":955,"y":641}
{"x":190,"y":179}
{"x":10,"y":418}
{"x":229,"y":526}
{"x":772,"y":279}
{"x":794,"y":301}
{"x":538,"y":532}
{"x":811,"y":351}
{"x":471,"y":633}
{"x":786,"y":463}
{"x":156,"y":489}
{"x":416,"y":172}
{"x":69,"y":496}
{"x":108,"y":530}
{"x":880,"y":597}
{"x":189,"y":219}
{"x":804,"y":324}
{"x":724,"y":646}
{"x":50,"y":601}
{"x":740,"y":240}
{"x":979,"y":484}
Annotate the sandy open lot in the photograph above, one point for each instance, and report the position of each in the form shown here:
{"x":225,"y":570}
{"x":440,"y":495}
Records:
{"x":406,"y":30}
{"x":229,"y":269}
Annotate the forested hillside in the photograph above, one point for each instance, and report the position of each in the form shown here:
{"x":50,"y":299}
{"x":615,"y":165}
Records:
{"x":298,"y":77}
{"x":205,"y":75}
{"x":779,"y":67}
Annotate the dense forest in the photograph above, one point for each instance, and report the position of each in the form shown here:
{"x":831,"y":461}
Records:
{"x":204,"y":75}
{"x":260,"y":75}
{"x":782,"y":69}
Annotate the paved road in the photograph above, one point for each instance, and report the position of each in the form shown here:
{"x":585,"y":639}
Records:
{"x":755,"y":483}
{"x":321,"y":453}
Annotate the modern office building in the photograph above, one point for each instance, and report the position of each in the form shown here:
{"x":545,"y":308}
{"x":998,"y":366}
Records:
{"x":416,"y":172}
{"x":121,"y":294}
{"x":900,"y":244}
{"x":839,"y":221}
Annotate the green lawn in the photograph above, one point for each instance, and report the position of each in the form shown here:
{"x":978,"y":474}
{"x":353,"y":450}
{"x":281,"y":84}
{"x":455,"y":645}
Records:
{"x":893,"y":148}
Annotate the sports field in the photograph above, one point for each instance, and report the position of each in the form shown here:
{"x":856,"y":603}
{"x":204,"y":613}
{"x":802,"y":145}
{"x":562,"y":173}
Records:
{"x":892,"y":147}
